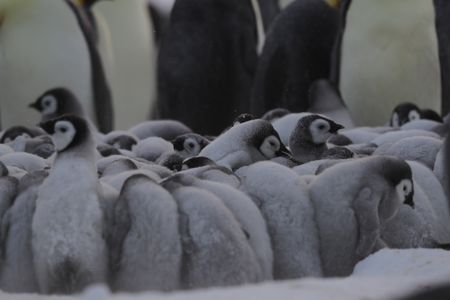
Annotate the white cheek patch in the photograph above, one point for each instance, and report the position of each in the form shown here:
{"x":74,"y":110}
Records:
{"x":318,"y":135}
{"x":52,"y":106}
{"x":63,"y":136}
{"x":269,"y":147}
{"x":414,"y":115}
{"x":191,"y":150}
{"x":395,"y":120}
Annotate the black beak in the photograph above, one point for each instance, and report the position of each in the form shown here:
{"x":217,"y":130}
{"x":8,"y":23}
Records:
{"x":409,"y":200}
{"x":335,"y":127}
{"x":284,"y":152}
{"x":34,"y":105}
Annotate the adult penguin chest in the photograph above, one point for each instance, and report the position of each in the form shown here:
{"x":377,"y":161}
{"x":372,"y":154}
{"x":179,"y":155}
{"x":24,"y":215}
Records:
{"x":41,"y":47}
{"x":389,"y":55}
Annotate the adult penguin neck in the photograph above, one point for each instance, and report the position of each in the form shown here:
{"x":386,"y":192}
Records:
{"x":101,"y":92}
{"x":259,"y":26}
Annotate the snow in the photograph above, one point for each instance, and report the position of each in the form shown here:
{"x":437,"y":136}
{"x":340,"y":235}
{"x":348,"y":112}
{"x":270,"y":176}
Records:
{"x":398,"y":272}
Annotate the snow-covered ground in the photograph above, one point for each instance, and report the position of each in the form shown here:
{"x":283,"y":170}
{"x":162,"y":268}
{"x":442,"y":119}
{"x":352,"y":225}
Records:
{"x":388,"y":274}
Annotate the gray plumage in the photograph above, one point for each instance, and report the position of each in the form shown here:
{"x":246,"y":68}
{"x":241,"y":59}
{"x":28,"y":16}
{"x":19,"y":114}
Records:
{"x":216,"y":251}
{"x":152,"y":148}
{"x":351,"y":201}
{"x":17,"y":273}
{"x":121,"y":140}
{"x":146,"y":248}
{"x":308,"y":140}
{"x":244,"y":144}
{"x":166,"y":129}
{"x":68,"y":240}
{"x":284,"y":202}
{"x":189,"y":145}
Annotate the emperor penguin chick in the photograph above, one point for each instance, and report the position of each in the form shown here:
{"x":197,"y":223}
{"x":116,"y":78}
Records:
{"x":67,"y":231}
{"x":352,"y":200}
{"x":216,"y":251}
{"x":308,"y":140}
{"x":245,"y":144}
{"x":145,"y":243}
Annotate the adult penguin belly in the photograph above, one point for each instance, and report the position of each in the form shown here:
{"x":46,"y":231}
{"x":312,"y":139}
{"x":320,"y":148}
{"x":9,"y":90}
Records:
{"x":41,"y":47}
{"x":389,"y":55}
{"x":133,"y":62}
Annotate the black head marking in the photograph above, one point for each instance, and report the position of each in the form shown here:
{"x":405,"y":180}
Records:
{"x":402,"y":110}
{"x":430,"y":114}
{"x":81,"y":127}
{"x":303,"y":125}
{"x":13,"y":132}
{"x":67,"y":103}
{"x":124,"y":141}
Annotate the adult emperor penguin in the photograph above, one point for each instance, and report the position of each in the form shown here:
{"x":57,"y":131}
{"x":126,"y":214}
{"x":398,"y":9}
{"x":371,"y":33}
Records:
{"x":352,"y":200}
{"x":389,"y":52}
{"x":146,"y":245}
{"x":294,"y":57}
{"x":69,"y":249}
{"x":46,"y":43}
{"x":207,"y":62}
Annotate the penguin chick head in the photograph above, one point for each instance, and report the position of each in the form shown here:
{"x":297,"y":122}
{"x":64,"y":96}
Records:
{"x":67,"y":131}
{"x":272,"y":147}
{"x":316,"y":129}
{"x":189,"y":145}
{"x":242,"y":118}
{"x":398,"y":173}
{"x":56,"y":102}
{"x":404,"y":113}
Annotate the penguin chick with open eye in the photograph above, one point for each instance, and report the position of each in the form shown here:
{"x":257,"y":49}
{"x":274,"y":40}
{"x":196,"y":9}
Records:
{"x":308,"y":140}
{"x":145,"y":246}
{"x":409,"y":112}
{"x":245,"y":144}
{"x":284,"y":203}
{"x":189,"y":144}
{"x":69,"y":249}
{"x":216,"y":251}
{"x":57,"y":102}
{"x":17,"y":273}
{"x":352,"y":201}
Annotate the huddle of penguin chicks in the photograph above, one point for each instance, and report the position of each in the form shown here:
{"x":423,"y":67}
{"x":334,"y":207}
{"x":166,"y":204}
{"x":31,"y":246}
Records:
{"x":138,"y":212}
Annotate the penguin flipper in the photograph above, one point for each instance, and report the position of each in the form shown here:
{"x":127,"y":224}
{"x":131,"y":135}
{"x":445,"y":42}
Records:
{"x":366,"y":212}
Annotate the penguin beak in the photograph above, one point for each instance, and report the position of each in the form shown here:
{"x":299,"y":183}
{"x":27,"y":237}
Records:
{"x":335,"y":127}
{"x":284,"y":152}
{"x":409,"y":200}
{"x":34,"y":105}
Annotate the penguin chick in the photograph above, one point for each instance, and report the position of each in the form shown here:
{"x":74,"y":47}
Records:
{"x":245,"y":144}
{"x":10,"y":134}
{"x":286,"y":124}
{"x":421,"y":149}
{"x":69,"y":250}
{"x":284,"y":202}
{"x":57,"y":102}
{"x":216,"y":251}
{"x":308,"y":140}
{"x":145,"y":248}
{"x":121,"y":140}
{"x":152,"y":148}
{"x":165,"y":129}
{"x":275,"y":114}
{"x":17,"y":273}
{"x":409,"y":112}
{"x":24,"y":161}
{"x":352,"y":200}
{"x":189,"y":145}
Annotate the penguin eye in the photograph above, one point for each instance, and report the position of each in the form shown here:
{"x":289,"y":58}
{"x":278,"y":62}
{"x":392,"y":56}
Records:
{"x":321,"y":127}
{"x":191,"y":145}
{"x":62,"y":129}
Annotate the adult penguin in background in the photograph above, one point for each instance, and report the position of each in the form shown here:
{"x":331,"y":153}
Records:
{"x":133,"y":62}
{"x":389,"y":52}
{"x":46,"y":43}
{"x":297,"y":52}
{"x":207,"y":62}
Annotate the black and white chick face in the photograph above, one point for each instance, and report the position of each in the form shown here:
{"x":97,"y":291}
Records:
{"x":319,"y":129}
{"x":189,"y":145}
{"x":404,"y":113}
{"x":47,"y":105}
{"x":405,"y":192}
{"x":67,"y":131}
{"x":272,"y":147}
